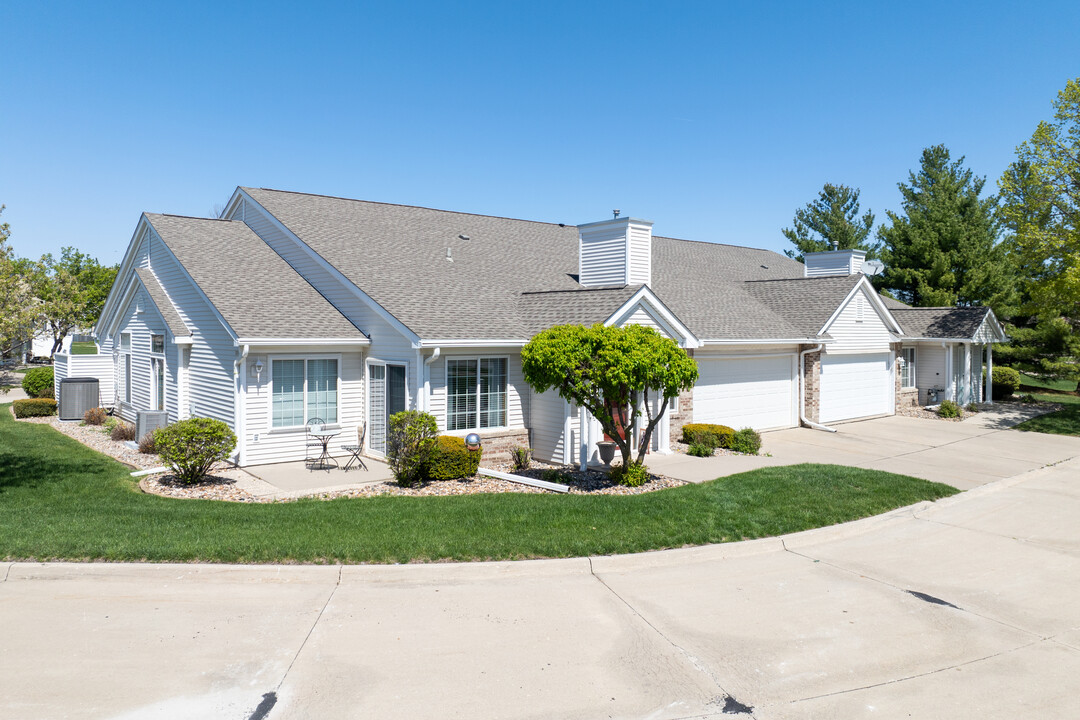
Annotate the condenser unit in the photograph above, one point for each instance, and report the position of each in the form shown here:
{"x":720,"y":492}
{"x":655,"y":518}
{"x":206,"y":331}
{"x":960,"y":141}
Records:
{"x":77,"y":395}
{"x":149,"y":421}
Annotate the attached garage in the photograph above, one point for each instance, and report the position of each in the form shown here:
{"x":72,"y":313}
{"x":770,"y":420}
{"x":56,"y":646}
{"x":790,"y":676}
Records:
{"x":758,"y":392}
{"x":856,"y":386}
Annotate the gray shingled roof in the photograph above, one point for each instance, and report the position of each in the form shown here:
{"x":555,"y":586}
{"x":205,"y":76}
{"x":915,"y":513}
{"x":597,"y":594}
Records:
{"x":398,"y":255}
{"x":161,"y":300}
{"x":585,"y":306}
{"x":806,"y":303}
{"x":892,"y":303}
{"x":254,"y":289}
{"x":960,"y":323}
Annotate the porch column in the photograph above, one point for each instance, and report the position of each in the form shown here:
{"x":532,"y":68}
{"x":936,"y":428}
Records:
{"x":950,"y":389}
{"x":969,"y":393}
{"x":989,"y":373}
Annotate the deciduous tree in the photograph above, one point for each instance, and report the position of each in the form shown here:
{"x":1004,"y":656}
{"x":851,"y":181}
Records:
{"x":832,"y":218}
{"x":605,"y":369}
{"x":18,"y":306}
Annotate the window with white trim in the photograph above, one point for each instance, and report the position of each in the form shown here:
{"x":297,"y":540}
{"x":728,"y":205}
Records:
{"x":475,"y":393}
{"x":125,"y":365}
{"x":907,"y":368}
{"x":301,"y":389}
{"x":157,"y":372}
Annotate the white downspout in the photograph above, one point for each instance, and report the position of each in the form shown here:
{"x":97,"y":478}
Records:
{"x":427,"y":377}
{"x":241,"y":390}
{"x":802,"y":393}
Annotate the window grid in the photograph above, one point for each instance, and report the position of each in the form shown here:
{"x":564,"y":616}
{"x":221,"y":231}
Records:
{"x":476,"y":393}
{"x":907,"y":372}
{"x":304,"y":389}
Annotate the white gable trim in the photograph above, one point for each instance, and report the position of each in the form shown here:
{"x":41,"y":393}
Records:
{"x":334,"y":272}
{"x":647,"y":300}
{"x":110,"y":308}
{"x":993,"y":326}
{"x":875,"y":302}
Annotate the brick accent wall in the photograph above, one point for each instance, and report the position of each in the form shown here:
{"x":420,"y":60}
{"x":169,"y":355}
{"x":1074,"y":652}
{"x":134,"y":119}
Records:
{"x":812,"y":382}
{"x":685,"y":416}
{"x":497,"y":445}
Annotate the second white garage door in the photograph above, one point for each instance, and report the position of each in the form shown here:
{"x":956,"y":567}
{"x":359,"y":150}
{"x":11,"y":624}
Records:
{"x":756,"y":392}
{"x":855,"y":386}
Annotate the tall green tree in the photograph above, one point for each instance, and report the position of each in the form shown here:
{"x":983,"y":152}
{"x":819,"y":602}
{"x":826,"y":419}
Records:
{"x":72,"y":290}
{"x":833,"y":218}
{"x":944,"y":248}
{"x":606,"y":370}
{"x":18,"y":305}
{"x":1041,"y":211}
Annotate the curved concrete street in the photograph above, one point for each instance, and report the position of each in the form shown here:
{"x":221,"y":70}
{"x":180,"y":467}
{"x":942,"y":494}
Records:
{"x":964,"y":608}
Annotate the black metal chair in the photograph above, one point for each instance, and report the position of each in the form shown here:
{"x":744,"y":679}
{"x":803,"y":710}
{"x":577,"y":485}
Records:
{"x":361,"y":431}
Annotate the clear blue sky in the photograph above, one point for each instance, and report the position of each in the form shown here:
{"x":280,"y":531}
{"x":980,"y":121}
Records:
{"x":716,"y":120}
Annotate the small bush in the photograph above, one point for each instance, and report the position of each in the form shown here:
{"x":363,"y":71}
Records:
{"x":632,"y":475}
{"x":552,"y":475}
{"x":700,"y":450}
{"x":148,"y":444}
{"x":948,"y":409}
{"x":122,"y":432}
{"x":94,"y":416}
{"x":38,"y":382}
{"x":971,"y":407}
{"x":191,"y":447}
{"x":521,"y":457}
{"x":746,"y":441}
{"x":451,"y":459}
{"x":707,"y":434}
{"x":34,"y":407}
{"x":1028,"y":398}
{"x":1004,"y":383}
{"x":410,"y":444}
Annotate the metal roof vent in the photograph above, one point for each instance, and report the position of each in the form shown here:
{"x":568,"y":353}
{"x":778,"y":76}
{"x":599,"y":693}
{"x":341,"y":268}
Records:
{"x":449,"y":255}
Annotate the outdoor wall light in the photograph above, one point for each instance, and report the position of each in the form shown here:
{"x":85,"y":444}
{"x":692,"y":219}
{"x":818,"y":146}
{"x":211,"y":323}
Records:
{"x":257,"y":366}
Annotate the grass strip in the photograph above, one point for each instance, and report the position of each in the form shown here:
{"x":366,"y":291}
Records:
{"x":61,"y":500}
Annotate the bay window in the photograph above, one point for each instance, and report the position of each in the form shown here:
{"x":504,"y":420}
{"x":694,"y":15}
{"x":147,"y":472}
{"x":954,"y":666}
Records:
{"x":475,"y":393}
{"x":302,"y":389}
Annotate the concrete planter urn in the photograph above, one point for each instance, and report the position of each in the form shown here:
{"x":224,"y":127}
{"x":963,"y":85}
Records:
{"x":607,"y":451}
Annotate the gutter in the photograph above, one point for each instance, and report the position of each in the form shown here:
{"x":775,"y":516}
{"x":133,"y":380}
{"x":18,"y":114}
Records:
{"x":802,"y":391}
{"x":241,"y":391}
{"x":427,"y":375}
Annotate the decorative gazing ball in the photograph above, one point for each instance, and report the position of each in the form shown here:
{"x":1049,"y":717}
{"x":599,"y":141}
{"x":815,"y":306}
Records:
{"x":472,"y":441}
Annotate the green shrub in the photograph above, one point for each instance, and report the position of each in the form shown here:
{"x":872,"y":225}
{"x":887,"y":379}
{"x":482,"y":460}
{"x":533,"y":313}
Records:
{"x":707,"y":434}
{"x":746,"y":441}
{"x":1028,"y":398}
{"x":148,"y":444}
{"x":948,"y":409}
{"x":632,"y":475}
{"x":123,"y":431}
{"x":971,"y":407}
{"x":552,"y":475}
{"x":191,"y":447}
{"x":700,"y":450}
{"x":38,"y":382}
{"x":410,"y":444}
{"x":451,"y":459}
{"x":34,"y":407}
{"x":1004,"y":383}
{"x":94,"y":416}
{"x":521,"y":457}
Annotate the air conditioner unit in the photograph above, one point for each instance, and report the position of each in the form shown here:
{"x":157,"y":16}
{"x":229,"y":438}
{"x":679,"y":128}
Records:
{"x":77,"y":395}
{"x":149,"y":421}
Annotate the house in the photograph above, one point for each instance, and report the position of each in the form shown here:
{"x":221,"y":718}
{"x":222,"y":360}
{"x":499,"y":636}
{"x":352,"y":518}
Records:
{"x":293,"y":306}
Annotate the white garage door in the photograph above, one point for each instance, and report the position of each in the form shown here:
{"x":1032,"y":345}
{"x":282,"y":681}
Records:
{"x":746,"y":392}
{"x":855,"y":386}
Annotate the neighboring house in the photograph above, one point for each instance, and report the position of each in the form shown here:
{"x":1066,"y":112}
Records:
{"x":295,"y":306}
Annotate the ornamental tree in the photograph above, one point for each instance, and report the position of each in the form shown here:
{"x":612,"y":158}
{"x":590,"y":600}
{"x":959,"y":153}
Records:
{"x":610,"y":372}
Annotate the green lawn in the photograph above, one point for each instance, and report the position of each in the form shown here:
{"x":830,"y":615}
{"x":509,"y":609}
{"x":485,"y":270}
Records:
{"x":84,"y":348}
{"x":60,"y":500}
{"x":1029,"y":383}
{"x":1062,"y":422}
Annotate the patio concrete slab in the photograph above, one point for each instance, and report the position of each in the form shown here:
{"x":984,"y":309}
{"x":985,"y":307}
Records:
{"x":296,"y":479}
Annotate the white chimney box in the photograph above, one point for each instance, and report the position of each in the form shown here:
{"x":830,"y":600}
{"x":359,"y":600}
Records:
{"x":833,"y":262}
{"x":615,"y":252}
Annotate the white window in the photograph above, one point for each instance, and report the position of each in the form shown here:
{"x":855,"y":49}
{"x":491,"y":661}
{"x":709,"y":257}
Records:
{"x":125,"y":342}
{"x":125,"y":365}
{"x":302,"y":389}
{"x":475,"y":393}
{"x":157,"y":344}
{"x":907,"y":368}
{"x":157,"y":372}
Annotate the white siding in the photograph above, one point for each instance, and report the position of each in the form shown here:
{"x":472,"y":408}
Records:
{"x":96,"y":366}
{"x":852,"y":336}
{"x":518,"y":392}
{"x":548,"y":425}
{"x":141,"y":325}
{"x":833,"y":262}
{"x":929,"y":369}
{"x":640,"y":245}
{"x":641,"y":316}
{"x":603,"y":257}
{"x":290,"y":445}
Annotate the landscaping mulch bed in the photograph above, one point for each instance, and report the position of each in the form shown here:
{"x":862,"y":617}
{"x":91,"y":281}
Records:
{"x":222,"y":485}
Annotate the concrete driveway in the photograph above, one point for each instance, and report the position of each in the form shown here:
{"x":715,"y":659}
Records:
{"x":964,"y":454}
{"x":964,"y":608}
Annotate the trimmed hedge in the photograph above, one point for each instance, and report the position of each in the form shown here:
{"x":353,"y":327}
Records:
{"x":746,"y":441}
{"x":716,"y":436}
{"x":38,"y":382}
{"x":451,"y":459}
{"x":34,"y":407}
{"x":1004,"y":382}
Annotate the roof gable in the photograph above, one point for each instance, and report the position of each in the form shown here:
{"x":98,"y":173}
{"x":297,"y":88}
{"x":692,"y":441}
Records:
{"x":161,"y":301}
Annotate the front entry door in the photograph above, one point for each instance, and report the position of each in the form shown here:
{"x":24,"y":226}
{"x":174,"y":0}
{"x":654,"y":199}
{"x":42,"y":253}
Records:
{"x":386,"y":396}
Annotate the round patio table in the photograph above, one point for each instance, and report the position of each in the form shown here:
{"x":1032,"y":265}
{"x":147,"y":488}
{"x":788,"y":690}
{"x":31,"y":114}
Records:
{"x":324,"y":436}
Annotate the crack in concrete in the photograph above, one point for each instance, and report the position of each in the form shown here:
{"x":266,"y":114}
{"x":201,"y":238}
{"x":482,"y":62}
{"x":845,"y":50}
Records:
{"x":7,"y":571}
{"x":698,"y":664}
{"x":307,"y":637}
{"x":904,"y":590}
{"x":1026,"y":541}
{"x":918,"y":675}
